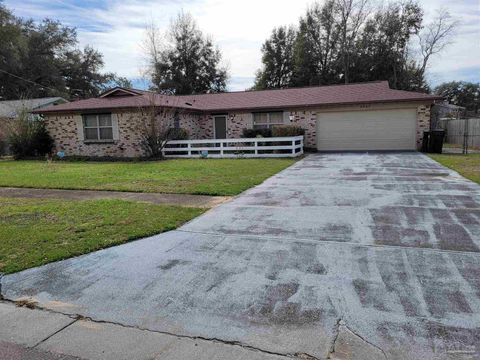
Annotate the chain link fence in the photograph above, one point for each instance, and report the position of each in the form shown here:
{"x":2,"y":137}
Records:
{"x":462,"y":132}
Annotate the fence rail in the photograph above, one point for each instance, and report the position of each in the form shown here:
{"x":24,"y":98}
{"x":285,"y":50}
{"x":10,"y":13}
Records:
{"x":235,"y":148}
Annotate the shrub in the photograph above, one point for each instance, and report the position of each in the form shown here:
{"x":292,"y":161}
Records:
{"x":177,"y":134}
{"x":3,"y":146}
{"x":42,"y":142}
{"x":288,"y":130}
{"x":3,"y":140}
{"x":253,"y":133}
{"x":29,"y":138}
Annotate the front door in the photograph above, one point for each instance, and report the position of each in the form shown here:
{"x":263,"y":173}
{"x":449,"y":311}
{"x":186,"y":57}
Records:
{"x":220,"y":126}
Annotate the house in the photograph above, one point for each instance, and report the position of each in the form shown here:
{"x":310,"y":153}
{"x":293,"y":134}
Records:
{"x":362,"y":116}
{"x":9,"y":109}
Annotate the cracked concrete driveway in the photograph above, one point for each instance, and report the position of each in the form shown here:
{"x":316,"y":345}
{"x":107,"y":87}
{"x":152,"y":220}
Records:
{"x":384,"y":246}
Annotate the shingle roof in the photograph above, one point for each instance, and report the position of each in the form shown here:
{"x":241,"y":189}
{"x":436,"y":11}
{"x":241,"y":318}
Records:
{"x":9,"y":108}
{"x":371,"y":92}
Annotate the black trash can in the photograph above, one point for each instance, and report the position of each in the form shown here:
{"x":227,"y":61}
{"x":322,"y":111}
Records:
{"x":436,"y":141}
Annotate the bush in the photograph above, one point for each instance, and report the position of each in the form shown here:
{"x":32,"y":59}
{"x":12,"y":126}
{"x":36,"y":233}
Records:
{"x":253,"y":133}
{"x":3,"y":142}
{"x":288,"y":130}
{"x":177,"y":134}
{"x":3,"y":146}
{"x":29,"y":138}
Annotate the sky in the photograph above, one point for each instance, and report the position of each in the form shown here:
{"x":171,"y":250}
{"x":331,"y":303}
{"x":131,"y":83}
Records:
{"x":117,"y":28}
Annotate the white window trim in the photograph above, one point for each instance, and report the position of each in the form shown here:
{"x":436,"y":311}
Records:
{"x":98,"y":127}
{"x":268,"y":123}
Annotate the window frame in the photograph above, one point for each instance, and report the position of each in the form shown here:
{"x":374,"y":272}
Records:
{"x":268,"y":124}
{"x":97,"y":127}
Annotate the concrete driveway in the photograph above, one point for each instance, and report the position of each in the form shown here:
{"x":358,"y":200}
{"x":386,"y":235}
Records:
{"x":339,"y":250}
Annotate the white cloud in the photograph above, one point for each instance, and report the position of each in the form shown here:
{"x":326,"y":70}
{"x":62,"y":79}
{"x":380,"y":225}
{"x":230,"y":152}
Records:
{"x":239,"y":27}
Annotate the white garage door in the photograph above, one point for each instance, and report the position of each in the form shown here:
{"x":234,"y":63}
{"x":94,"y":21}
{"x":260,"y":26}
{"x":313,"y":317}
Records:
{"x":367,"y":130}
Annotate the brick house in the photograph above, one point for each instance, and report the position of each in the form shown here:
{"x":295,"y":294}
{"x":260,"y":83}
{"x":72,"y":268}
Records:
{"x":363,"y":116}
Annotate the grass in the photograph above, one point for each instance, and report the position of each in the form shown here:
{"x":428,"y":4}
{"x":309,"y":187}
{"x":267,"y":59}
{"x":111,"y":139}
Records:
{"x":459,"y":146}
{"x":35,"y":232}
{"x":184,"y":176}
{"x":466,"y":165}
{"x":451,"y":146}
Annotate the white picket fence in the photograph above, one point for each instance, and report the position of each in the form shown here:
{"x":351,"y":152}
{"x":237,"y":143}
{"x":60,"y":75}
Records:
{"x":235,"y":148}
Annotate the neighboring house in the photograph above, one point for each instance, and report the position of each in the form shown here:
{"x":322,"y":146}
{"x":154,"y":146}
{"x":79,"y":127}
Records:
{"x":9,"y":109}
{"x":363,"y":116}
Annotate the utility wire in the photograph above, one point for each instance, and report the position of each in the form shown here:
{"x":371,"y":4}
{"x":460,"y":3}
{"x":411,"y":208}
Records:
{"x":30,"y":81}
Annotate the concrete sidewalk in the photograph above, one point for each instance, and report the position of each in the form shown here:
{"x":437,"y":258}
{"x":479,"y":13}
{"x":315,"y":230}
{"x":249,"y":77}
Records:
{"x":202,"y":201}
{"x":12,"y":351}
{"x":44,"y":335}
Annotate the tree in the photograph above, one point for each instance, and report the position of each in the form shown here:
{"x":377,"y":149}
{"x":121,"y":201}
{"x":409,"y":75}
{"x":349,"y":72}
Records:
{"x":11,"y":47}
{"x":188,"y":62}
{"x":151,"y":45}
{"x":383,"y":49}
{"x":277,"y":59}
{"x":351,"y":16}
{"x":461,"y":93}
{"x":41,"y":59}
{"x":342,"y":41}
{"x":316,"y":47}
{"x":81,"y":72}
{"x":436,"y":36}
{"x":157,"y":126}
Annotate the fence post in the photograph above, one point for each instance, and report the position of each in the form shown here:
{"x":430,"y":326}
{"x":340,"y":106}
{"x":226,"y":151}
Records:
{"x":189,"y":147}
{"x":255,"y":145}
{"x":467,"y":134}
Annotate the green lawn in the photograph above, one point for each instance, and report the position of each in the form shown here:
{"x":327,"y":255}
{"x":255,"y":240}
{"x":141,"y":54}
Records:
{"x":465,"y":165}
{"x":34,"y":232}
{"x":185,"y":176}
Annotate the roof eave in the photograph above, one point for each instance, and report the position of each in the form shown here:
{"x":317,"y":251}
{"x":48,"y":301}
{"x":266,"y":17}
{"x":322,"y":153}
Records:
{"x":429,"y":99}
{"x":287,"y":106}
{"x":107,"y":109}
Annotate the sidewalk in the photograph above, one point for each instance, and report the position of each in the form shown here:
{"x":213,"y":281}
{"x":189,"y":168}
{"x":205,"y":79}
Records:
{"x":12,"y":351}
{"x":39,"y":334}
{"x":203,"y":201}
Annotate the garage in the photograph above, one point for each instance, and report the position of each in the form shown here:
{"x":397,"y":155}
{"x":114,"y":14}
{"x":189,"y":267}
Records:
{"x":393,"y":129}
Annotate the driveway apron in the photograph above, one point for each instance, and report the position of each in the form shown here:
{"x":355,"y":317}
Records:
{"x":383,"y":245}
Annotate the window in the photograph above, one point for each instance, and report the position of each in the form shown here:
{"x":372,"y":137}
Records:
{"x":98,"y":127}
{"x":267,"y":120}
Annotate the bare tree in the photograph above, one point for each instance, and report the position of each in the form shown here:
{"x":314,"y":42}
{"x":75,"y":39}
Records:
{"x":436,"y":36}
{"x":352,"y":14}
{"x":159,"y":124}
{"x":152,"y":46}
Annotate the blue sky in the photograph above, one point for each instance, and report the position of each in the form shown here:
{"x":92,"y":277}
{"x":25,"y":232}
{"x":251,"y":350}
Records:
{"x":116,"y":28}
